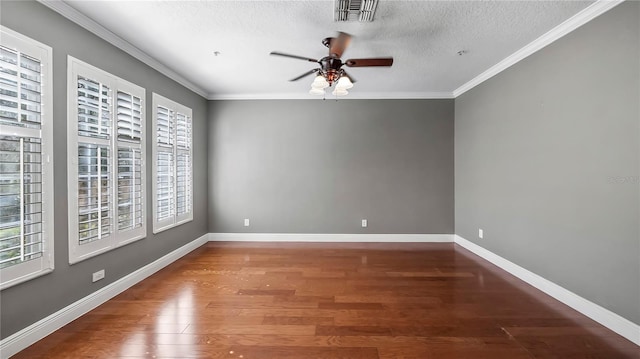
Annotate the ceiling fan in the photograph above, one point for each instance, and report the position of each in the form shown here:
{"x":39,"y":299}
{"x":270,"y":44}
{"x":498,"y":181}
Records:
{"x":330,"y":70}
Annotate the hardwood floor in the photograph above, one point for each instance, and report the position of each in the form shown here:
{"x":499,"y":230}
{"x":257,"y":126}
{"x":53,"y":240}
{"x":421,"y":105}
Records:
{"x":294,"y":300}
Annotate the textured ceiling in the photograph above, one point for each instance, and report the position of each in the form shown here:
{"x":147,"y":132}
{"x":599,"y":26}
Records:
{"x":422,"y":36}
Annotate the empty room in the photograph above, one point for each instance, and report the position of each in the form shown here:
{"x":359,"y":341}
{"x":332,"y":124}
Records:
{"x":326,"y":179}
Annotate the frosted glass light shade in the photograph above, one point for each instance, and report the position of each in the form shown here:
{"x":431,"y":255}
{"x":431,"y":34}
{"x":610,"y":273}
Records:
{"x":340,"y":92}
{"x":344,"y":83}
{"x":316,"y":91}
{"x":320,"y":82}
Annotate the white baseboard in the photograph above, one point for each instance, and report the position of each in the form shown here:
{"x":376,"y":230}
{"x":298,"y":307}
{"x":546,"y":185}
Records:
{"x":31,"y":334}
{"x":609,"y":319}
{"x":328,"y":237}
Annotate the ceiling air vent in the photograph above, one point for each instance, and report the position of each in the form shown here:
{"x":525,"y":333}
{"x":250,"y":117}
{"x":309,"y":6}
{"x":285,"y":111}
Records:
{"x":355,"y":10}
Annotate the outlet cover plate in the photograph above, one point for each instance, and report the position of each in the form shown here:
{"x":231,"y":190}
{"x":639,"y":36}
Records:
{"x":98,"y":276}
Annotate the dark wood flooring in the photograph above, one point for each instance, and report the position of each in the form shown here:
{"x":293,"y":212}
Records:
{"x":295,"y":300}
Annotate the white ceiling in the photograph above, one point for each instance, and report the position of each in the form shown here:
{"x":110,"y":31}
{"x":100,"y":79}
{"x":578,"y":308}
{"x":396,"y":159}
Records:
{"x":422,"y":36}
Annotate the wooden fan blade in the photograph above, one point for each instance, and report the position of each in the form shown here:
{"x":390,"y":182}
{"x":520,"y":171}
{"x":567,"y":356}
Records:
{"x":275,"y":53}
{"x":339,"y":44}
{"x":305,"y":74}
{"x":381,"y":61}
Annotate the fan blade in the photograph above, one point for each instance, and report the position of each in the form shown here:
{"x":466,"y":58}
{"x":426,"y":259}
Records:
{"x":339,"y":44}
{"x":304,"y":74}
{"x":292,"y":56}
{"x":349,"y":76}
{"x":381,"y":61}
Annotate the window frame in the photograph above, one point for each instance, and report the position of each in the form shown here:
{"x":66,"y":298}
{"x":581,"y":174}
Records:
{"x":176,"y":220}
{"x":45,"y":264}
{"x":116,"y":238}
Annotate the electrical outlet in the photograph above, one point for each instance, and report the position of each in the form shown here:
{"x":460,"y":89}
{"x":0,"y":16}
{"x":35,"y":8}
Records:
{"x":480,"y":233}
{"x":246,"y":222}
{"x":98,"y":275}
{"x":364,"y":223}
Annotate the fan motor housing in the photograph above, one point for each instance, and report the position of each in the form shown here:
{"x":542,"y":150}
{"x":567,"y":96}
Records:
{"x":331,"y":68}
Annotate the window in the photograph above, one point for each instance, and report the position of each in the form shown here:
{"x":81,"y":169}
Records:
{"x":106,"y":145}
{"x":172,"y":164}
{"x":26,"y":161}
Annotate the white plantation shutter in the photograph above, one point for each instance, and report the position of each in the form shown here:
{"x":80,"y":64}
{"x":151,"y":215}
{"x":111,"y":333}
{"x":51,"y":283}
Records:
{"x":20,"y":200}
{"x":183,"y":131}
{"x":165,"y":164}
{"x":165,"y":196}
{"x":26,"y":167}
{"x":165,"y":124}
{"x":183,"y":164}
{"x":129,"y":117}
{"x":183,"y":183}
{"x":130,"y":215}
{"x":130,"y":168}
{"x":93,"y":213}
{"x":106,"y":145}
{"x":94,"y":109}
{"x":94,"y":195}
{"x":20,"y":93}
{"x":172,"y":152}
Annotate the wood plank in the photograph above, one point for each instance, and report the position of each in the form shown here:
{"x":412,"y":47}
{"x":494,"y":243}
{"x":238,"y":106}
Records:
{"x":224,"y":328}
{"x":359,"y":330}
{"x":284,"y":320}
{"x":271,"y":292}
{"x":352,"y":305}
{"x":263,"y":352}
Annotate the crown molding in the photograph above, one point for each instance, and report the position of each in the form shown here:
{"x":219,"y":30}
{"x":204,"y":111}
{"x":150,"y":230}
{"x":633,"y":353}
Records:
{"x":350,"y":96}
{"x":77,"y":17}
{"x":589,"y":13}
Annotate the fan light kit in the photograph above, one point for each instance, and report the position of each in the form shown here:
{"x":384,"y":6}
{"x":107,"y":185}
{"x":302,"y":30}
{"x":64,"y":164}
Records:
{"x":330,"y":71}
{"x":320,"y":83}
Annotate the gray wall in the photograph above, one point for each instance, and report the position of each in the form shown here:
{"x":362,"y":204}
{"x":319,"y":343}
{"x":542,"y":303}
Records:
{"x":547,"y":162}
{"x":29,"y":302}
{"x":314,"y":166}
